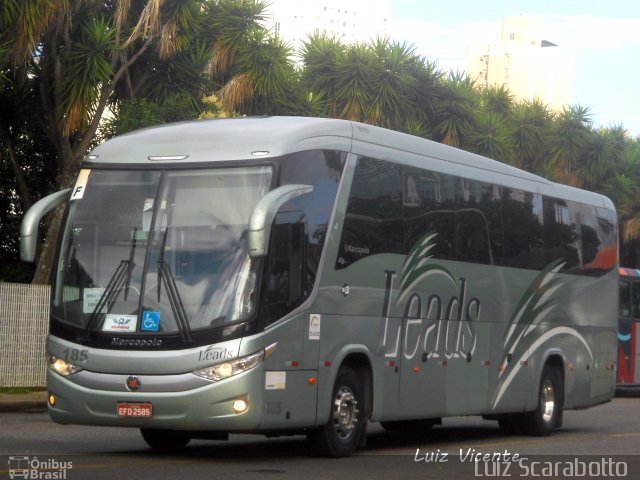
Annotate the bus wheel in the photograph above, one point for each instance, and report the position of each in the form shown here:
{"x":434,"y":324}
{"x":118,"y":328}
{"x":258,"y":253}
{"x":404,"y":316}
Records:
{"x":165,"y":439}
{"x":545,"y":417}
{"x":340,"y":436}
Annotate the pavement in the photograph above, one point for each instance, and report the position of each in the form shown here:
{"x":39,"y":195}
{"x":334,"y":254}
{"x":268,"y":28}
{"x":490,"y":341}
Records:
{"x":37,"y":400}
{"x":23,"y":402}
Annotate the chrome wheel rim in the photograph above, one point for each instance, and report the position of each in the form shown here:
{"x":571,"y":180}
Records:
{"x":345,"y":412}
{"x":547,"y":399}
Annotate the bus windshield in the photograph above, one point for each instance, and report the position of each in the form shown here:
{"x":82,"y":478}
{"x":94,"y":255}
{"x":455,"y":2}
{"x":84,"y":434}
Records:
{"x":149,"y":252}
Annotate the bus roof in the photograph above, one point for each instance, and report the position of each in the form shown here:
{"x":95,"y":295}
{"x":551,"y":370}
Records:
{"x":233,"y":139}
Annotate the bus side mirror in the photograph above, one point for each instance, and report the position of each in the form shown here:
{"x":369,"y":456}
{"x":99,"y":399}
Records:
{"x":265,"y":212}
{"x":31,"y":220}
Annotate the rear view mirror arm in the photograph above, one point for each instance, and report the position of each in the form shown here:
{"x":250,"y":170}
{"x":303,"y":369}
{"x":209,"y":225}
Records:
{"x":264,"y":213}
{"x":31,"y":221}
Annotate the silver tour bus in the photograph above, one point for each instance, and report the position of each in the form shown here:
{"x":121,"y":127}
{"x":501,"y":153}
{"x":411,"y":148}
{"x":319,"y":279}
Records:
{"x":304,"y":275}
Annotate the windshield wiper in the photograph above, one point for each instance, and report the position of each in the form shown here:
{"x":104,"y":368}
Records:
{"x":132,"y":253}
{"x":121,"y":276}
{"x":177,"y":307}
{"x":108,"y":298}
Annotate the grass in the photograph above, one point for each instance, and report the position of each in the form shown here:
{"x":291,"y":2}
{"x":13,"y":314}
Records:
{"x":18,"y":390}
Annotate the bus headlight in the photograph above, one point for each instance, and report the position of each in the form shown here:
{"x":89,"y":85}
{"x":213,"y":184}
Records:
{"x":233,"y":367}
{"x":61,"y":366}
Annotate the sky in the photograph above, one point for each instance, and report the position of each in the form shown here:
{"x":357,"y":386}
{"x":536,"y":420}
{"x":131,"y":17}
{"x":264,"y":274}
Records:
{"x":602,"y":36}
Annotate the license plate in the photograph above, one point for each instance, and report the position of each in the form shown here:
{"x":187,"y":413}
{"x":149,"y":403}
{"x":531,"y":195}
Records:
{"x":135,"y":409}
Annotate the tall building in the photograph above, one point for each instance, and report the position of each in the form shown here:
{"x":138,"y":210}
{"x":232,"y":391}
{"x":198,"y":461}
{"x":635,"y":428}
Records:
{"x":349,"y":21}
{"x":523,"y":62}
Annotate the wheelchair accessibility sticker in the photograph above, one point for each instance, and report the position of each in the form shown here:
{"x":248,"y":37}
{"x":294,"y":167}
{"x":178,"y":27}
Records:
{"x":150,"y":321}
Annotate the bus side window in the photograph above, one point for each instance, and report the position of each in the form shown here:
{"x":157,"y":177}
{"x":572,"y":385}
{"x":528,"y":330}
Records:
{"x":429,"y":208}
{"x":635,"y":299}
{"x":286,"y":268}
{"x":625,"y":299}
{"x":523,"y":229}
{"x":299,"y":230}
{"x":373,"y":220}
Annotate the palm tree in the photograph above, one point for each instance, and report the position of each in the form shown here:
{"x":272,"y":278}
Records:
{"x":263,"y":77}
{"x":354,"y":73}
{"x":455,"y":111}
{"x":230,"y":25}
{"x":491,"y":137}
{"x":497,"y":99}
{"x":603,"y":156}
{"x":531,"y":121}
{"x":392,"y":78}
{"x":78,"y":53}
{"x":492,"y":134}
{"x":424,"y":95}
{"x":570,"y":141}
{"x":321,"y":55}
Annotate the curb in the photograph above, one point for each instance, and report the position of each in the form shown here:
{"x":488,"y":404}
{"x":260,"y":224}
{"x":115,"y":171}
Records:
{"x":30,"y":402}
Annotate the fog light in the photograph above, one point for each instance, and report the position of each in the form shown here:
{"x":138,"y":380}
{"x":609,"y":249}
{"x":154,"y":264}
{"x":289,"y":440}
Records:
{"x":52,"y":400}
{"x":240,"y":406}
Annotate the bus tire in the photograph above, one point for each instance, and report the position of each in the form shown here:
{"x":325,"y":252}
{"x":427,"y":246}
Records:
{"x":541,"y":421}
{"x":341,"y":435}
{"x":165,"y":439}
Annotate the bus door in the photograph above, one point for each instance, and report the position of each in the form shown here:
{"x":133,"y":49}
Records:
{"x":468,"y":368}
{"x":423,"y":371}
{"x":629,"y":316}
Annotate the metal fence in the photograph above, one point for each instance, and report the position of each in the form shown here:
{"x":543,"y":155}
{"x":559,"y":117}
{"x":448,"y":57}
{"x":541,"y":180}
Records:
{"x":24,"y":317}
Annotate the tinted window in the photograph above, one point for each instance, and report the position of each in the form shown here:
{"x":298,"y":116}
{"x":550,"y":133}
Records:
{"x":430,"y":207}
{"x":478,"y":222}
{"x":599,"y":239}
{"x":373,"y":220}
{"x":625,"y":298}
{"x":472,"y":221}
{"x":523,"y":229}
{"x":561,"y":235}
{"x":300,"y":229}
{"x":323,"y":170}
{"x":635,"y":299}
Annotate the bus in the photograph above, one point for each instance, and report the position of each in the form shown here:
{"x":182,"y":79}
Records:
{"x":282,"y":275}
{"x":629,"y":316}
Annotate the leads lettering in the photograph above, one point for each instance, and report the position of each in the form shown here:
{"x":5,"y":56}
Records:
{"x":424,"y":331}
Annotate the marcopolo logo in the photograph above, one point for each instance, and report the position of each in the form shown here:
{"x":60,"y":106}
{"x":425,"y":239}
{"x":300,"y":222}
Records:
{"x":135,"y":342}
{"x":38,"y":469}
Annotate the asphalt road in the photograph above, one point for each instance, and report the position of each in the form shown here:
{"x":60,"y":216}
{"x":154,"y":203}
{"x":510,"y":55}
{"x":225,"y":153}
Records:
{"x":605,"y":439}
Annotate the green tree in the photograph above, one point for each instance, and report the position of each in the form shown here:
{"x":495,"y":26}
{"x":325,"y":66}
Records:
{"x":390,"y":81}
{"x":25,"y":167}
{"x":456,"y":108}
{"x":320,"y":56}
{"x":531,"y":121}
{"x":263,"y":74}
{"x":85,"y":55}
{"x":423,"y":95}
{"x":569,"y":143}
{"x":491,"y":137}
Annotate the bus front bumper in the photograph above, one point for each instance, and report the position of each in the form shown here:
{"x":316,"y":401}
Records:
{"x":209,"y":407}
